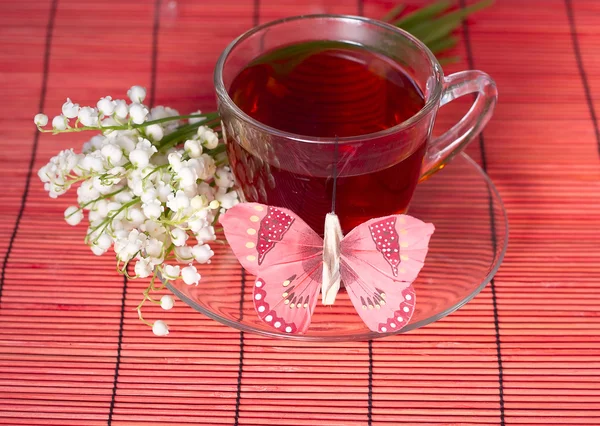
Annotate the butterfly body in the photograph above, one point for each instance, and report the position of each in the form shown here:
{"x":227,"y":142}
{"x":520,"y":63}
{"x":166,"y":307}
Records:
{"x":331,"y":259}
{"x":377,"y":262}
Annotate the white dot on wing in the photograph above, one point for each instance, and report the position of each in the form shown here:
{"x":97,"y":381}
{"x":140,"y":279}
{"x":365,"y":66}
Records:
{"x":277,"y":324}
{"x":258,"y":296}
{"x":405,"y":309}
{"x":268,"y":318}
{"x":261,"y":309}
{"x":288,"y":329}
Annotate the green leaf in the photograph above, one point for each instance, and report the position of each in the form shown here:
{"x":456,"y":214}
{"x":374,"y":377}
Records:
{"x":440,"y":31}
{"x":287,"y":58}
{"x":450,"y":20}
{"x":449,"y":60}
{"x":442,"y":44}
{"x":393,"y":13}
{"x":422,"y":14}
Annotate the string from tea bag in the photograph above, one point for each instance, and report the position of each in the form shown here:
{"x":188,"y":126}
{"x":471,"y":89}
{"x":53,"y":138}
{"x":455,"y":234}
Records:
{"x":331,"y":243}
{"x":335,"y":173}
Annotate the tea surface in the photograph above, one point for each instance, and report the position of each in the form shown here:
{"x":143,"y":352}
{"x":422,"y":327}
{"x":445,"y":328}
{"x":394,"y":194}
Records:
{"x":327,"y":90}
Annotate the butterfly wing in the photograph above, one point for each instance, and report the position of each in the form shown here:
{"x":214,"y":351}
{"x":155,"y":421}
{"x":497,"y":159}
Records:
{"x":286,"y":256}
{"x":380,"y":260}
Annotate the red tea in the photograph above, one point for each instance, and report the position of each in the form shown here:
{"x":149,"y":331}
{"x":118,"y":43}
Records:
{"x":328,"y":89}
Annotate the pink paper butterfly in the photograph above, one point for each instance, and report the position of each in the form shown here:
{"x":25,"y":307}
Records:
{"x":377,"y":262}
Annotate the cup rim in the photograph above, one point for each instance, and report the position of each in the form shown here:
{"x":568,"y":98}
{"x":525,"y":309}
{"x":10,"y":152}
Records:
{"x":429,"y":105}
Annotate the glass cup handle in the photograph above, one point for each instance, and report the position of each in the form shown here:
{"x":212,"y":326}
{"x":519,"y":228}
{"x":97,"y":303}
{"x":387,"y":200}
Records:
{"x":443,"y":148}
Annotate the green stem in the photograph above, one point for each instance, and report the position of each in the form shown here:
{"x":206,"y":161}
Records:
{"x":184,"y":133}
{"x":110,"y":218}
{"x":104,"y":197}
{"x":207,"y":117}
{"x":156,"y":169}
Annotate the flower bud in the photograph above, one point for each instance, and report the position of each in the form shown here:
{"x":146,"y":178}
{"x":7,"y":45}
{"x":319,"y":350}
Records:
{"x":40,"y":120}
{"x":167,"y":302}
{"x":137,"y":94}
{"x":160,"y":328}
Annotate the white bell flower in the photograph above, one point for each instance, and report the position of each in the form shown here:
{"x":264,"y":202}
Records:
{"x":155,"y":132}
{"x":153,"y":209}
{"x":178,"y":201}
{"x":190,"y":275}
{"x":106,"y":106}
{"x":187,"y":176}
{"x":164,"y":191}
{"x":137,"y":94}
{"x":135,"y":216}
{"x":171,"y":272}
{"x":199,"y":202}
{"x":124,"y":197}
{"x":195,"y":120}
{"x":175,"y":161}
{"x":149,"y":193}
{"x":227,"y":199}
{"x":159,"y":112}
{"x":73,"y":215}
{"x":88,"y":116}
{"x":190,"y":191}
{"x":40,"y":120}
{"x":205,"y":233}
{"x":160,"y":328}
{"x":143,"y":268}
{"x":112,"y":153}
{"x":210,"y":167}
{"x":126,"y":249}
{"x":193,"y":148}
{"x":69,"y":109}
{"x":205,"y":190}
{"x":167,"y":302}
{"x":121,"y":110}
{"x":202,"y":253}
{"x":86,"y":192}
{"x":154,"y":250}
{"x":95,"y":143}
{"x":55,"y":174}
{"x":154,"y":229}
{"x":140,"y":158}
{"x":138,"y":113}
{"x":224,"y":177}
{"x":184,"y":253}
{"x":92,"y":162}
{"x":60,"y":122}
{"x":98,"y":251}
{"x":208,"y":137}
{"x":104,"y":241}
{"x":179,"y":237}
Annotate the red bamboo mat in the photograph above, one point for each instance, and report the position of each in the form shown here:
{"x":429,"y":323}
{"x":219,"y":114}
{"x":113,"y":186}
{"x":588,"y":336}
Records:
{"x":525,"y":351}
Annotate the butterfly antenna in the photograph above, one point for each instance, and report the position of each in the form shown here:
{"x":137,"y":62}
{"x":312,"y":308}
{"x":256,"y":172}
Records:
{"x":335,"y":173}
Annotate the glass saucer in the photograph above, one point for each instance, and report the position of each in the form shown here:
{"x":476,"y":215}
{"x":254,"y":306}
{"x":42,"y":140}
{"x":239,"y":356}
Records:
{"x":464,"y":254}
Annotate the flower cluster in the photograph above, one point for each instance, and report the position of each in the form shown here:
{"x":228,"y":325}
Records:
{"x":153,"y":184}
